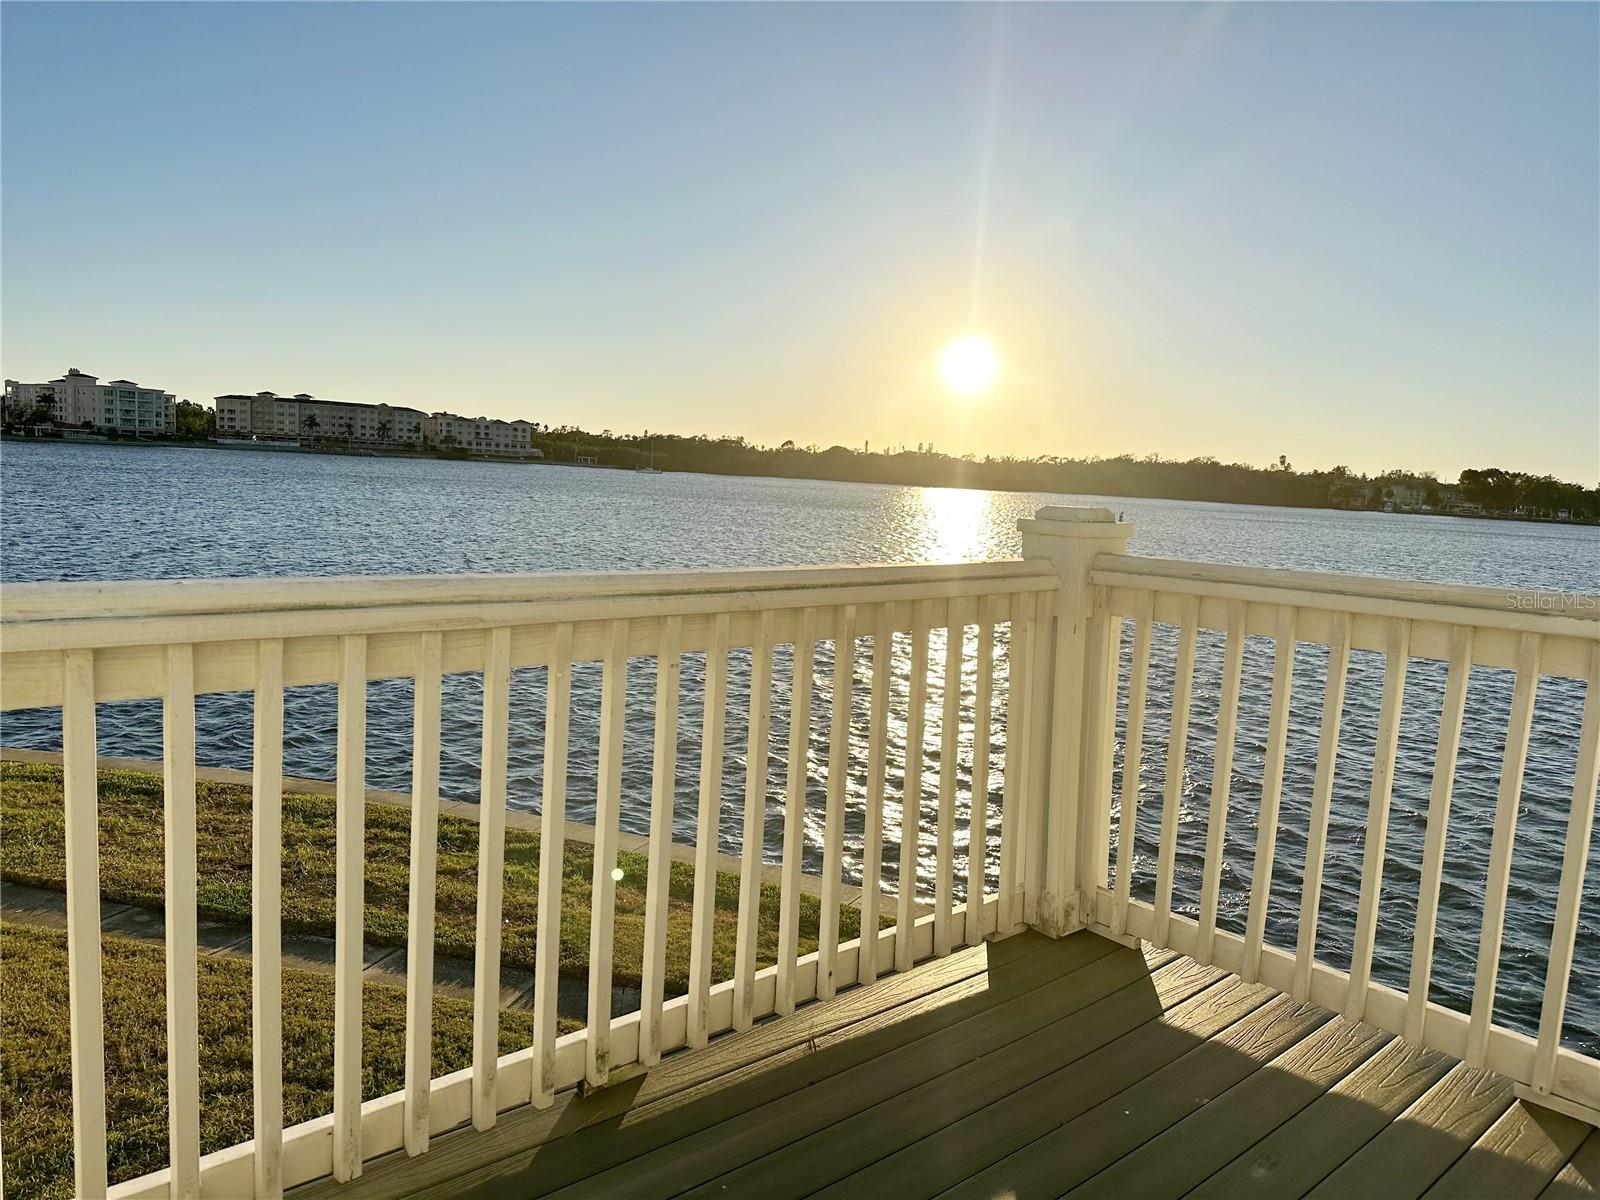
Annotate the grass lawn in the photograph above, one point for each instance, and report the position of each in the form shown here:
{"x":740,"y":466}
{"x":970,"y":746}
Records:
{"x":131,"y":871}
{"x":36,"y":1082}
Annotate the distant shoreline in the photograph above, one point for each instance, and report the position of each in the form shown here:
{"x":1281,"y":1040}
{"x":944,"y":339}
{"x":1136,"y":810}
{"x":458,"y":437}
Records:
{"x":711,"y":469}
{"x":271,"y":448}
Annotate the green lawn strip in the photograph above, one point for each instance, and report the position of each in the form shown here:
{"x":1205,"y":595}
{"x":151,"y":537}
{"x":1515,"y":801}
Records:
{"x":131,"y":871}
{"x":36,"y":1081}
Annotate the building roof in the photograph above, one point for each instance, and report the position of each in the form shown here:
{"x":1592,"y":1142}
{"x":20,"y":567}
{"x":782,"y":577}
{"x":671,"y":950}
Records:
{"x":447,"y":416}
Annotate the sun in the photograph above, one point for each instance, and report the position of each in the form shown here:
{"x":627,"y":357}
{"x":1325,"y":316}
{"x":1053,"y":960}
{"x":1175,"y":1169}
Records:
{"x":968,"y":364}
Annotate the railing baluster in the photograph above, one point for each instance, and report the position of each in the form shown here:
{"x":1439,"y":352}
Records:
{"x":663,"y":792}
{"x":182,"y":917}
{"x":1132,"y":759}
{"x":349,"y":938}
{"x":911,"y":802}
{"x":266,"y":919}
{"x":949,"y":760}
{"x":877,"y":777}
{"x":552,"y":852}
{"x":425,"y":716}
{"x":1397,"y":657}
{"x":1221,"y":782}
{"x":705,"y":852}
{"x":755,"y":823}
{"x":603,"y":894}
{"x":1271,"y":792}
{"x":844,"y":663}
{"x":1444,"y":774}
{"x":81,"y":816}
{"x":1564,"y":932}
{"x":1505,"y":832}
{"x":1041,"y":739}
{"x":491,"y":878}
{"x":794,"y":814}
{"x":1019,"y":658}
{"x":1177,"y":750}
{"x":1102,"y":653}
{"x":1321,"y":804}
{"x":978,"y":807}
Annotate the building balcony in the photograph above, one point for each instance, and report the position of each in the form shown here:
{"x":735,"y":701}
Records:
{"x":923,"y":952}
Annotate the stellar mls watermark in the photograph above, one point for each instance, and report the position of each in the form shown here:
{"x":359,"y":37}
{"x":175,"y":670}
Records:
{"x":1556,"y":602}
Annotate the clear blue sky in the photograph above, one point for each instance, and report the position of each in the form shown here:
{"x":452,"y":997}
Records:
{"x":1366,"y":234}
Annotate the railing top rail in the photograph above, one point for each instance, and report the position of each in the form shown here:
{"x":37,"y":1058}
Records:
{"x":1573,"y":614}
{"x":27,"y":603}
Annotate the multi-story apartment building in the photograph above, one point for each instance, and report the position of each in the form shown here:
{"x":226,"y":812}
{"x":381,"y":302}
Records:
{"x":481,"y":435}
{"x":262,"y":415}
{"x":269,"y":415}
{"x":121,"y":406}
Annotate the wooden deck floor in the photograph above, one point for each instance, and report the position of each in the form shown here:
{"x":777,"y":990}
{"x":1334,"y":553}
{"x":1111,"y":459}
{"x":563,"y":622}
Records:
{"x":1033,"y":1068}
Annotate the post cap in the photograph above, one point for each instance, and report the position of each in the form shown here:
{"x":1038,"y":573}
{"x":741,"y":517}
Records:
{"x":1078,"y":522}
{"x":1075,"y":512}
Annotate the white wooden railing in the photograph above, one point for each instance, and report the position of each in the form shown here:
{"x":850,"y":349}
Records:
{"x":75,"y":646}
{"x":1054,"y":619}
{"x":1533,"y":635}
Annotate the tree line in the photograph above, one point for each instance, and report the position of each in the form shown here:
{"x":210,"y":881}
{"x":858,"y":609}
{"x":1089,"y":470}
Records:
{"x":1496,"y":491}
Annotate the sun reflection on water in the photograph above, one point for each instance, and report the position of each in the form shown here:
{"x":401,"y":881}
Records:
{"x":954,"y":525}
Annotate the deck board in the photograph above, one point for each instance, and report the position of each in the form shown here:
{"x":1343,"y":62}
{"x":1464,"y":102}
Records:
{"x":1409,"y":1155}
{"x":1034,"y":1100}
{"x":1028,"y":1068}
{"x":1580,"y":1178}
{"x":906,"y":1146}
{"x":1184,"y":1153}
{"x":1076,"y":1150}
{"x":1302,"y":1151}
{"x":1519,"y":1155}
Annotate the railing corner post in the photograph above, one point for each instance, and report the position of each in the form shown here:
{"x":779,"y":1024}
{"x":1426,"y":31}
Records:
{"x":1070,"y":712}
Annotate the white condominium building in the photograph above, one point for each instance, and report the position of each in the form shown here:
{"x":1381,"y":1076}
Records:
{"x":121,"y":406}
{"x":481,"y":435}
{"x":269,"y":415}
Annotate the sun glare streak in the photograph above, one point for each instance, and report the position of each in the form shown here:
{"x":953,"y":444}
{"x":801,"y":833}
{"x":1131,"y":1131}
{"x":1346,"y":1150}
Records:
{"x":986,"y":164}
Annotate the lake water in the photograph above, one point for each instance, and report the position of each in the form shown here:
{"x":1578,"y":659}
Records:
{"x":104,"y":512}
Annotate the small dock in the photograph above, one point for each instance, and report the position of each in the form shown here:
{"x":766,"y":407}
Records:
{"x":1033,"y":1068}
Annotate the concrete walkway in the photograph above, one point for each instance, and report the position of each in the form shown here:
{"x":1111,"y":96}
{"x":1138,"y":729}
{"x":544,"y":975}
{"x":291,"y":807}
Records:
{"x":631,"y":843}
{"x":24,"y":905}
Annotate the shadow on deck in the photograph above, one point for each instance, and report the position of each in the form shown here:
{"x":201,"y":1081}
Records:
{"x":1029,"y":1068}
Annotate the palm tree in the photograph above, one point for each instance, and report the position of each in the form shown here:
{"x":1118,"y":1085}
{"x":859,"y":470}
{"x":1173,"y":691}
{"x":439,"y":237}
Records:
{"x":310,"y":425}
{"x":383,"y":430}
